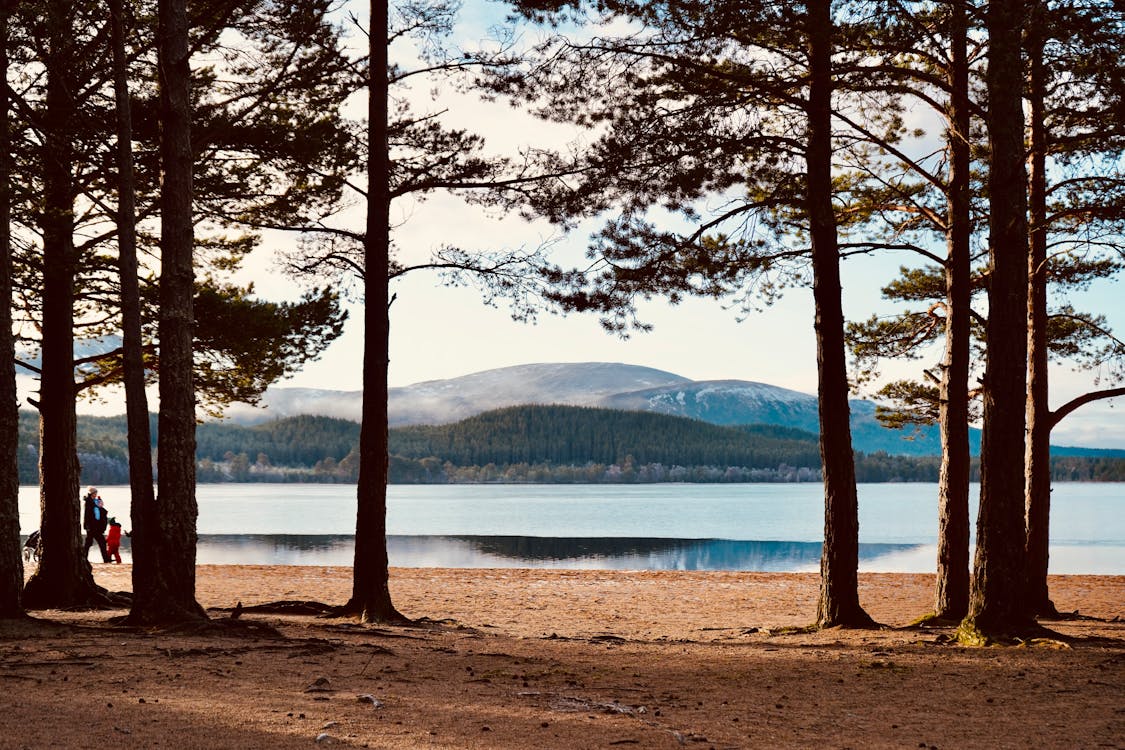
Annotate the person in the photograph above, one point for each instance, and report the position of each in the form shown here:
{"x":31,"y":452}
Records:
{"x":113,"y":540}
{"x":94,"y":521}
{"x":33,"y":547}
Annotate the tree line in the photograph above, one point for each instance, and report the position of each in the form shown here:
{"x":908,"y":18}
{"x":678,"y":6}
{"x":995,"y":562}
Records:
{"x":729,"y":150}
{"x":528,"y":444}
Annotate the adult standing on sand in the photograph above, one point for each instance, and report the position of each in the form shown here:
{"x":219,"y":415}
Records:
{"x":94,"y":520}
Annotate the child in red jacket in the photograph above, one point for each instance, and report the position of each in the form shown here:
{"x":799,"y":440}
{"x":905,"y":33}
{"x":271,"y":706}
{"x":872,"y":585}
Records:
{"x":113,"y":540}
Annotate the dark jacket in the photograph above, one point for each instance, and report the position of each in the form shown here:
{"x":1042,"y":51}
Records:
{"x":89,"y":522}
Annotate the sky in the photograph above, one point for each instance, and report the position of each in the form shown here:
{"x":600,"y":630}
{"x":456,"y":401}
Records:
{"x":439,"y":332}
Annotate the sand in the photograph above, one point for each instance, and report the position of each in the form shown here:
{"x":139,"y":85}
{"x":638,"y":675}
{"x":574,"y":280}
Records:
{"x":562,"y":659}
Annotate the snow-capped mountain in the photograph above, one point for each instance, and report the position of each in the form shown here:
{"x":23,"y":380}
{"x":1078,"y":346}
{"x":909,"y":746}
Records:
{"x":600,"y":384}
{"x":727,"y":402}
{"x":738,"y":402}
{"x":574,"y":384}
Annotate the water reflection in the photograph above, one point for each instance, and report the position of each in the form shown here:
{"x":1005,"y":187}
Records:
{"x":531,"y":552}
{"x":600,"y":553}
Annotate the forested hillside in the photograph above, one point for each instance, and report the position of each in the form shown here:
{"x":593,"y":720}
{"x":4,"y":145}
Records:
{"x":297,"y":441}
{"x":517,"y":444}
{"x":568,"y":435}
{"x":225,"y":451}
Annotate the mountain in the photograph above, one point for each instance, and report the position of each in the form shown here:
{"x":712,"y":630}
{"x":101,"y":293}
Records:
{"x":445,"y":401}
{"x":739,"y":402}
{"x":598,"y":384}
{"x":725,"y":402}
{"x":573,"y":384}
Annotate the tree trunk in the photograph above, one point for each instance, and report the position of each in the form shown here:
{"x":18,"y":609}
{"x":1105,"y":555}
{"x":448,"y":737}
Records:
{"x":64,"y":578}
{"x":952,"y":593}
{"x":11,"y":554}
{"x":371,"y":598}
{"x":1037,"y":502}
{"x":839,"y":562}
{"x":136,"y":402}
{"x":169,"y":593}
{"x":997,"y":607}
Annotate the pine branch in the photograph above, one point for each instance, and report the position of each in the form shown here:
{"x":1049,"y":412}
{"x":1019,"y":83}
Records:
{"x":1058,"y":414}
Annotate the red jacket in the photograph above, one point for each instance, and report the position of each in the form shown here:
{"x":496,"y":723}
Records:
{"x":114,"y":535}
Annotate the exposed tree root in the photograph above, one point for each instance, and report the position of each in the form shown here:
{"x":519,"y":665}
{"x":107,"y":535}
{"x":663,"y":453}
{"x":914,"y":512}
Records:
{"x":855,"y":621}
{"x":282,"y":607}
{"x":320,"y":609}
{"x":385,"y":615}
{"x":933,"y":620}
{"x":1076,"y":616}
{"x":971,"y":634}
{"x":1046,"y":610}
{"x":223,"y":626}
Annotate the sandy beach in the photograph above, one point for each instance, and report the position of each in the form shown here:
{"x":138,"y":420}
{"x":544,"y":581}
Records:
{"x":562,"y":659}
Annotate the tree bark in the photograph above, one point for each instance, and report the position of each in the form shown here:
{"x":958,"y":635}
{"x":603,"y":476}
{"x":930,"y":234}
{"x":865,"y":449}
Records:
{"x":1037,"y":502}
{"x":63,"y":578}
{"x":11,"y":553}
{"x":136,"y":401}
{"x":952,"y":591}
{"x":839,"y":563}
{"x":371,"y":598}
{"x":168,"y":595}
{"x":997,"y":606}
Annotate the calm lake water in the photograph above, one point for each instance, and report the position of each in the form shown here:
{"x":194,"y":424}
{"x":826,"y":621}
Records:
{"x":664,"y":526}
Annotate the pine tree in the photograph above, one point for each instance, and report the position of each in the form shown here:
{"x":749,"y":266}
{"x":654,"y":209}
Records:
{"x":1076,"y":122}
{"x":11,"y":561}
{"x":63,"y":577}
{"x":143,"y":499}
{"x":371,"y":598}
{"x":711,"y":97}
{"x":409,"y":155}
{"x":168,"y":594}
{"x":997,"y":608}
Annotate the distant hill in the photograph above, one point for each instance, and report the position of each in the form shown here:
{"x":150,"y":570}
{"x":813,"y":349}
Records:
{"x":598,"y":384}
{"x":578,"y":384}
{"x":1066,"y":450}
{"x":613,"y":386}
{"x":739,"y":402}
{"x":726,"y":402}
{"x":446,"y":401}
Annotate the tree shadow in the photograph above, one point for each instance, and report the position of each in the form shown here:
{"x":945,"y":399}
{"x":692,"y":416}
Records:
{"x":306,"y":607}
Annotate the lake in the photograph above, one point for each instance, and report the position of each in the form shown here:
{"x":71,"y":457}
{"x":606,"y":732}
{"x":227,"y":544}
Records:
{"x":770,"y":527}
